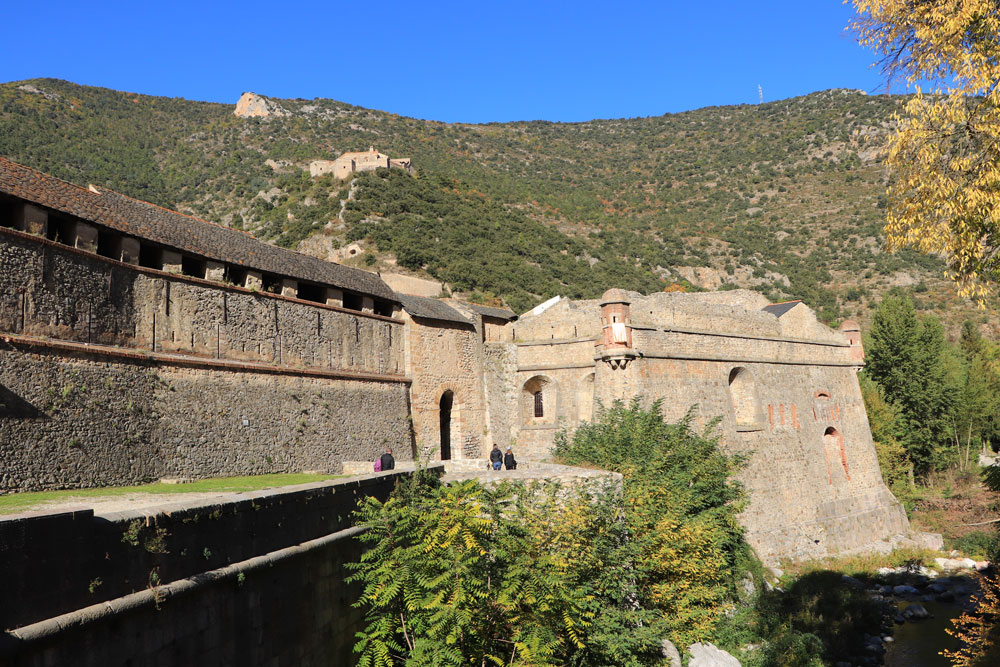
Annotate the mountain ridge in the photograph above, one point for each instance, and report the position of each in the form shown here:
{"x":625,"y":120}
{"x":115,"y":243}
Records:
{"x":785,"y":197}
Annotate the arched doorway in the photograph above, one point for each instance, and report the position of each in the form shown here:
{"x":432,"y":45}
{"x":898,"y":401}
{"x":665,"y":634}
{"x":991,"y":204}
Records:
{"x":447,"y":398}
{"x":833,"y":446}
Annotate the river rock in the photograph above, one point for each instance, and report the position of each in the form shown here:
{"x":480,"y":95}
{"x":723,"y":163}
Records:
{"x":709,"y":655}
{"x":916,"y":611}
{"x":850,"y":581}
{"x":955,"y":563}
{"x":904,"y":589}
{"x":946,"y":596}
{"x":670,"y":653}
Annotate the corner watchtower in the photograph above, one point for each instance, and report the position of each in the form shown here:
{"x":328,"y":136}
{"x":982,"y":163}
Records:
{"x":615,"y":346}
{"x":852,"y":331}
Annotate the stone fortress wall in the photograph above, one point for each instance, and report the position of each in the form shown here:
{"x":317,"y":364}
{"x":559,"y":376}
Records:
{"x":784,"y":386}
{"x":130,"y":350}
{"x":122,"y":361}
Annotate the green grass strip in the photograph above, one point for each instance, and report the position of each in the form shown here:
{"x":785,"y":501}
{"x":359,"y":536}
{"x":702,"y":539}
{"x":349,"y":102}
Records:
{"x":20,"y":502}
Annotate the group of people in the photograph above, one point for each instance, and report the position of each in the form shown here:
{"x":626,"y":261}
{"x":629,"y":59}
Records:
{"x":497,"y":458}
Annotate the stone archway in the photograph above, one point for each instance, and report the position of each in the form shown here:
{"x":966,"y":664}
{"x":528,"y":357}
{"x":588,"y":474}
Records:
{"x":445,"y":406}
{"x":833,"y":448}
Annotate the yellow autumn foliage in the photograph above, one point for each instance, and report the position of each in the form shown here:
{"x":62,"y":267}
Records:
{"x":945,"y":151}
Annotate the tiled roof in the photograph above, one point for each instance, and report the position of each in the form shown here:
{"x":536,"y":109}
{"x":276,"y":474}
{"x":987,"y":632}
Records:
{"x":431,"y":309}
{"x":182,"y":232}
{"x":779,"y":309}
{"x":487,"y":311}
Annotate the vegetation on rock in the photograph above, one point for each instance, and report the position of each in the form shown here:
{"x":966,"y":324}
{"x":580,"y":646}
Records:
{"x":785,"y":197}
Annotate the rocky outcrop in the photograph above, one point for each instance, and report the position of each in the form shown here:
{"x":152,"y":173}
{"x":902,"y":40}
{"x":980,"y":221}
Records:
{"x":251,"y":105}
{"x":709,"y":655}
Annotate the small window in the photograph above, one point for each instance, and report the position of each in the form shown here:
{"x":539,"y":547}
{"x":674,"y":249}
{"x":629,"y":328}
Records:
{"x":352,"y":301}
{"x":236,"y":275}
{"x":383,"y":308}
{"x":60,"y":230}
{"x":310,"y":292}
{"x":149,"y":256}
{"x":271,"y":283}
{"x":192,"y":266}
{"x":539,"y":404}
{"x":823,"y":394}
{"x":109,"y":244}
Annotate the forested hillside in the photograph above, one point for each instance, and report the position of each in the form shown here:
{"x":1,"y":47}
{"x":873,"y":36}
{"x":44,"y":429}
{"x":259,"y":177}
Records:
{"x":785,"y":197}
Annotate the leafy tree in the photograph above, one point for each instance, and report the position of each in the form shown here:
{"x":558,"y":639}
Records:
{"x":451,"y":578}
{"x":905,"y":355}
{"x":946,"y":151}
{"x":681,"y":510}
{"x":888,"y":430}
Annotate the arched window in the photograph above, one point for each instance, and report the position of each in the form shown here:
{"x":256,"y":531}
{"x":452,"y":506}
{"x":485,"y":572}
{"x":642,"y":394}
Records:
{"x":538,"y":400}
{"x":447,"y":399}
{"x":833,"y":447}
{"x":743,"y":396}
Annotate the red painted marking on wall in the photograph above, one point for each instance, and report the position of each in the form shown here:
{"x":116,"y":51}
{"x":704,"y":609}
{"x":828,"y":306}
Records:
{"x":837,"y":408}
{"x":795,"y":417}
{"x":781,"y":413}
{"x":770,"y":415}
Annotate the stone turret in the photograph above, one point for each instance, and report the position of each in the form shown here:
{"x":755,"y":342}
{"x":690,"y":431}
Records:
{"x":615,"y":346}
{"x":852,"y":331}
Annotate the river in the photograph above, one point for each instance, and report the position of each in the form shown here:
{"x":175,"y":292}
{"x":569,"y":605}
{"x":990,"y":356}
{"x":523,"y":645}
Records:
{"x":919,"y":643}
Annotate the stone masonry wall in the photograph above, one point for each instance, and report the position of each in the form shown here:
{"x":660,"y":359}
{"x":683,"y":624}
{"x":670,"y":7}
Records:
{"x":91,"y":419}
{"x":54,"y":291}
{"x":250,"y":579}
{"x":501,"y":393}
{"x":446,"y":356}
{"x":808,"y":496}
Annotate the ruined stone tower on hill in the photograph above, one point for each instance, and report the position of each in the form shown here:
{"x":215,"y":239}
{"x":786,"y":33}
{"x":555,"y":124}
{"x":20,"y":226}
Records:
{"x":358,"y":161}
{"x":137,"y":343}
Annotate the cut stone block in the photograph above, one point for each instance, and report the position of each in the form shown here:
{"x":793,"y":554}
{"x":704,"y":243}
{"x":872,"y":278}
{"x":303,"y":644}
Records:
{"x":254,"y":281}
{"x":215,"y":271}
{"x":171,"y":261}
{"x":334,"y":297}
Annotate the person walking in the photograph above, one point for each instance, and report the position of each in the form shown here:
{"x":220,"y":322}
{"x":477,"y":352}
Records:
{"x":496,"y":457}
{"x":388,"y":462}
{"x":508,"y":460}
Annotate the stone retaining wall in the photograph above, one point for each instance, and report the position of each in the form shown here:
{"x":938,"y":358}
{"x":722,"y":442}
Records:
{"x":252,"y":579}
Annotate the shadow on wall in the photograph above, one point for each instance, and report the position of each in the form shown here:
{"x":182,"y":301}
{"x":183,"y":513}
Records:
{"x":13,"y":406}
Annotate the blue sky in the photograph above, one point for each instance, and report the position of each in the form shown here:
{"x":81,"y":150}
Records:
{"x":470,"y":62}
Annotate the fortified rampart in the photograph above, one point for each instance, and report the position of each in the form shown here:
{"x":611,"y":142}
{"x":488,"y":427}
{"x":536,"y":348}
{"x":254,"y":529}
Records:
{"x":784,"y":386}
{"x":124,"y":360}
{"x":253,"y":579}
{"x":137,"y":342}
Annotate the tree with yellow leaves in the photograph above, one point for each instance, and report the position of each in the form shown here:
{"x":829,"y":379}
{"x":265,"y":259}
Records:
{"x":945,"y":152}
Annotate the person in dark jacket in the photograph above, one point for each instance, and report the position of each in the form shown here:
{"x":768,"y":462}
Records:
{"x":388,"y":463}
{"x":496,"y":457}
{"x":508,"y":460}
